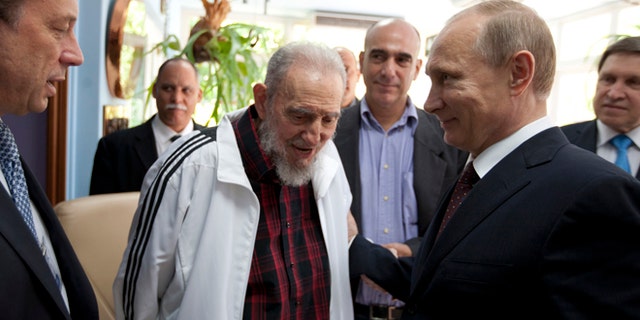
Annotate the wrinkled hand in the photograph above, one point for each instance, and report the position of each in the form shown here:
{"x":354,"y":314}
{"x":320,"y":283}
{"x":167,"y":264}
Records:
{"x":401,"y":249}
{"x":352,"y":227}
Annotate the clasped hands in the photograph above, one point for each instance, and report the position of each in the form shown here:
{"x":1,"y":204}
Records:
{"x":397,"y":248}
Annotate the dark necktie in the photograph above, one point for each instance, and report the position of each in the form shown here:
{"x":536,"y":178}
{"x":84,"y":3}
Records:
{"x":622,"y":143}
{"x":13,"y":173}
{"x":174,"y":138}
{"x":468,"y":178}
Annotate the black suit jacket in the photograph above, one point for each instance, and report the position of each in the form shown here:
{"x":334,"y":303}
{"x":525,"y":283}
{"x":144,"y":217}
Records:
{"x":436,"y":165}
{"x":123,"y":158}
{"x":27,"y":287}
{"x":585,"y":135}
{"x":551,"y":232}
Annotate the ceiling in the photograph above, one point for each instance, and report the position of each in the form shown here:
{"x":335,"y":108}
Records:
{"x":427,"y":15}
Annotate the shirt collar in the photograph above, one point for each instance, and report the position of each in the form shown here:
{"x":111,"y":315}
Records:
{"x":164,"y":133}
{"x":486,"y":160}
{"x":606,"y":133}
{"x":409,"y":118}
{"x":257,"y":164}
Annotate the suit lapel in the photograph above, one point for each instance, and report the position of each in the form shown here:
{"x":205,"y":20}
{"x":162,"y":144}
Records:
{"x":488,"y":194}
{"x":16,"y":232}
{"x":505,"y":180}
{"x":145,"y":144}
{"x":347,"y":141}
{"x":428,"y":168}
{"x":586,"y":137}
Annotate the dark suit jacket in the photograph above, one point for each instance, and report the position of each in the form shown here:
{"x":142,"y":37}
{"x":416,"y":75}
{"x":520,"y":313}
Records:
{"x":354,"y":103}
{"x":123,"y":158}
{"x":27,"y":287}
{"x":551,"y":232}
{"x":436,"y":165}
{"x":584,"y":135}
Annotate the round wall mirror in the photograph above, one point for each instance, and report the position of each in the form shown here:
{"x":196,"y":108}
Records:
{"x":126,"y":41}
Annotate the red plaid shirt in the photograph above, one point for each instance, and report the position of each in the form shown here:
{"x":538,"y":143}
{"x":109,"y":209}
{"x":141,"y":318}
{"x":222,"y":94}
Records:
{"x":290,"y":276}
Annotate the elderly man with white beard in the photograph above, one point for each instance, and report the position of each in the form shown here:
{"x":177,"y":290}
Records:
{"x":248,"y":220}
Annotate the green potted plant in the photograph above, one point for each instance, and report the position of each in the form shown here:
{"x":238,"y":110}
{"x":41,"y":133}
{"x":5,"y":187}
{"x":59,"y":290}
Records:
{"x":230,"y":58}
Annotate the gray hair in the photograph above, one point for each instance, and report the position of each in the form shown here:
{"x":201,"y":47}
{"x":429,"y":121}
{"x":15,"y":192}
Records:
{"x":314,"y":57}
{"x":511,"y":27}
{"x":629,"y":45}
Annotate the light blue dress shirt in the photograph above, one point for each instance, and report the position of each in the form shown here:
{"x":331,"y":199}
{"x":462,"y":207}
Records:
{"x":389,"y":207}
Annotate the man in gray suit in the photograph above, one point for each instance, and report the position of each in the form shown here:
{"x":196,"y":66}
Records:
{"x":393,"y":153}
{"x":617,"y":107}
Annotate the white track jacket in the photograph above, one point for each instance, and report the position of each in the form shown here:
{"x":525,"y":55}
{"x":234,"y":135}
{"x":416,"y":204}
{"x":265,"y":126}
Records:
{"x":191,"y":240}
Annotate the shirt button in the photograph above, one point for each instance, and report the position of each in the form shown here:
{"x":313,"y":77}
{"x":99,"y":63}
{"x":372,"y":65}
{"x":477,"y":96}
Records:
{"x":386,"y":198}
{"x":386,"y":230}
{"x":386,"y":166}
{"x":288,"y":224}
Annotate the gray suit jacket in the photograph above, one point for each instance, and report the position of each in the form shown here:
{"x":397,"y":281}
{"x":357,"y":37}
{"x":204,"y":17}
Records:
{"x":584,"y":135}
{"x":436,"y":165}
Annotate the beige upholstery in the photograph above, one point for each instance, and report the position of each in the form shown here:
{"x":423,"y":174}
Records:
{"x":98,"y":227}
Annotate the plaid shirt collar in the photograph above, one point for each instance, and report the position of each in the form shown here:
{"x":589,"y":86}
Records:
{"x":258,"y":165}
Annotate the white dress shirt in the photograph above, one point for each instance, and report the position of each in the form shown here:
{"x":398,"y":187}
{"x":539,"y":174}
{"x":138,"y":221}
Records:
{"x":486,"y":160}
{"x":163,"y":134}
{"x":608,"y":152}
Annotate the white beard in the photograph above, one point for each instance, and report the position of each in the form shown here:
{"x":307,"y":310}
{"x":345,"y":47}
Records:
{"x":290,"y":174}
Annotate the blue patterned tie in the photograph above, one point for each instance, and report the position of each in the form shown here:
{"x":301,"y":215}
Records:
{"x":13,"y":173}
{"x":622,"y":143}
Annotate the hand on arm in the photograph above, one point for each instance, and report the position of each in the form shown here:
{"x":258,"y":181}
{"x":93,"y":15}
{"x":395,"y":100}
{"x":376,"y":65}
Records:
{"x":352,"y":227}
{"x":399,"y":249}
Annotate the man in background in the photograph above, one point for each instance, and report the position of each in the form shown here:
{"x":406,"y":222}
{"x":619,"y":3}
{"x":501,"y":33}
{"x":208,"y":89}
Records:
{"x":353,"y":76}
{"x":248,"y":220}
{"x":40,"y":275}
{"x":615,"y":133}
{"x":394,"y":156}
{"x":123,"y":157}
{"x":536,"y":228}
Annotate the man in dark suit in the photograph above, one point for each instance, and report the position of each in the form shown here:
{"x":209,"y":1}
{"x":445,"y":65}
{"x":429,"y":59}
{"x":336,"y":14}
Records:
{"x":395,"y":158}
{"x":353,"y":76}
{"x":617,"y":107}
{"x":40,"y":275}
{"x":548,"y":230}
{"x":123,"y":157}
